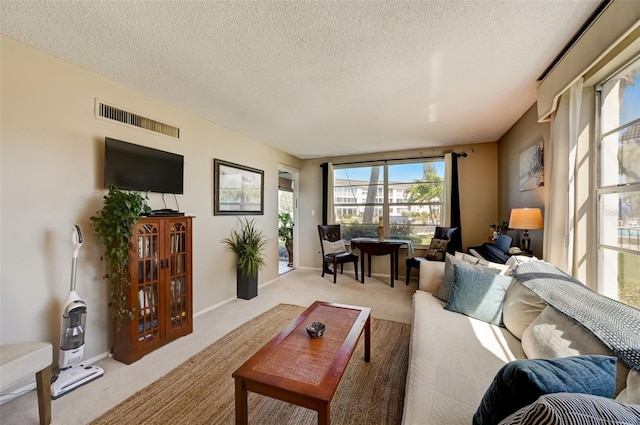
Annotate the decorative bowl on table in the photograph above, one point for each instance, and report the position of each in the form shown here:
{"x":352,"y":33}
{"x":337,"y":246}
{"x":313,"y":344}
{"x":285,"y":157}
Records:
{"x":316,"y":329}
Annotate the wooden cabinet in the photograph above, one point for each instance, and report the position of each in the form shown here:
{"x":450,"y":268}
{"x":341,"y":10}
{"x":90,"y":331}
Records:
{"x":160,"y":295}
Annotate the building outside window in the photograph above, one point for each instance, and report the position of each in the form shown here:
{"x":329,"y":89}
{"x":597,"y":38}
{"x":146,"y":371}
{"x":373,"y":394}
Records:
{"x":618,"y":185}
{"x":408,"y":195}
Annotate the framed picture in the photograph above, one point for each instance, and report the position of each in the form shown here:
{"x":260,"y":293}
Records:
{"x":238,"y":190}
{"x":532,"y":167}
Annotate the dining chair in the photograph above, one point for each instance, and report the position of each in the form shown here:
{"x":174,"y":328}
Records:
{"x":333,"y":250}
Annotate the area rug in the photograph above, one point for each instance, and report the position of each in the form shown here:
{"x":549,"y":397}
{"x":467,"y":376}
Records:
{"x":201,"y":390}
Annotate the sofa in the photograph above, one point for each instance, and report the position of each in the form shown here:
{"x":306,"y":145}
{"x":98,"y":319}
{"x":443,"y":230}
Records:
{"x":454,"y":358}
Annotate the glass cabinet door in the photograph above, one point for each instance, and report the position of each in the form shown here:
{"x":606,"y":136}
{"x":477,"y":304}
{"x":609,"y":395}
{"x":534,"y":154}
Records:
{"x":178,"y":296}
{"x":147,"y":309}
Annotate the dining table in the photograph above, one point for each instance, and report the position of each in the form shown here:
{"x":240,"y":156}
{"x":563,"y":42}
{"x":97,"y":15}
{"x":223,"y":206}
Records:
{"x":372,"y":246}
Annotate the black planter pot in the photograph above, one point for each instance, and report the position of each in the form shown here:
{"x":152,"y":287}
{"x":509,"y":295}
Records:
{"x":247,"y":286}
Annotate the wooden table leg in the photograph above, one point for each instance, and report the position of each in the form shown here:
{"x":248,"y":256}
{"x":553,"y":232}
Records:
{"x":369,"y":264}
{"x":391,"y":268}
{"x":324,"y":414}
{"x":362,"y":266}
{"x":242,"y":416}
{"x":367,"y":340}
{"x":43,"y":386}
{"x":397,"y":260}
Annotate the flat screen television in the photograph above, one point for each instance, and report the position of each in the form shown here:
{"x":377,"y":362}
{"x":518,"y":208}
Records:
{"x":134,"y":167}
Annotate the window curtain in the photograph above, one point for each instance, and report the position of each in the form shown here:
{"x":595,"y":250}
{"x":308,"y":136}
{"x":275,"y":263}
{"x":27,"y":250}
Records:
{"x":327,"y":193}
{"x":567,"y":177}
{"x":451,"y":213}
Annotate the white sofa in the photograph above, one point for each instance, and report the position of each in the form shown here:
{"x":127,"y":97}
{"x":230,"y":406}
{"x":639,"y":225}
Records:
{"x":453,"y":358}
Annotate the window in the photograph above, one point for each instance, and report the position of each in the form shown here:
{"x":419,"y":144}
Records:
{"x":409,"y":197}
{"x":618,"y":186}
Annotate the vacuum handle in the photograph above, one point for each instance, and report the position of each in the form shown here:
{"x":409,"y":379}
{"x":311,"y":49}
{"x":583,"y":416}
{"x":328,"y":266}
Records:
{"x":76,"y":239}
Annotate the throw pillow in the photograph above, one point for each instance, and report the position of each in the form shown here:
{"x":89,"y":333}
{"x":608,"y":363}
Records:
{"x":444,"y":291}
{"x":515,"y":260}
{"x":439,"y":244}
{"x":521,"y":307}
{"x":553,"y":334}
{"x":478,"y":294}
{"x":631,"y":394}
{"x":473,"y":260}
{"x":433,"y":254}
{"x":436,"y":250}
{"x":336,"y":247}
{"x":503,"y":242}
{"x":571,"y":408}
{"x":521,"y":382}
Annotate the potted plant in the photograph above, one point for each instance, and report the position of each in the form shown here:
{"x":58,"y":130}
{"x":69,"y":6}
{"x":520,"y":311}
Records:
{"x":113,"y":226}
{"x":285,"y":233}
{"x":247,"y":243}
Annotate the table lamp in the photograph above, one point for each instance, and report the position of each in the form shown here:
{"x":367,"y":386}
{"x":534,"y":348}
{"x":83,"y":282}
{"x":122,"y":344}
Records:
{"x":526,"y":219}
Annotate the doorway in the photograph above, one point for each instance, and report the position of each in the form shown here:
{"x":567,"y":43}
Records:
{"x":287,"y":203}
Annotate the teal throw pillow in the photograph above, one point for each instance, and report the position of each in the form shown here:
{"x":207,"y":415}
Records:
{"x":521,"y":382}
{"x":478,"y":294}
{"x":444,"y":290}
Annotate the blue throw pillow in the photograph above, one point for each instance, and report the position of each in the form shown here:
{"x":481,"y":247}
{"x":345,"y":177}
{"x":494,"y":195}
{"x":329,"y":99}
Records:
{"x":503,"y":242}
{"x":521,"y":382}
{"x":478,"y":294}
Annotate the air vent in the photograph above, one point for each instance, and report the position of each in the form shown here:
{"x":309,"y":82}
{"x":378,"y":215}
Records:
{"x":116,"y":114}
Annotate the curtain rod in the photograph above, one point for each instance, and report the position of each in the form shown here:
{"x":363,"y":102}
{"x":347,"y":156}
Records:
{"x":463,"y":154}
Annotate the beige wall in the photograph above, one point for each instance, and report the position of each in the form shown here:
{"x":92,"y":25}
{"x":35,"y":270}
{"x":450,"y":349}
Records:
{"x":478,"y":174}
{"x":51,"y":175}
{"x":524,"y":133}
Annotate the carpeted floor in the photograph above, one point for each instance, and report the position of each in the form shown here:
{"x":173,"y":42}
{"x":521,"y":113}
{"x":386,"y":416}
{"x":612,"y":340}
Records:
{"x":201,"y":390}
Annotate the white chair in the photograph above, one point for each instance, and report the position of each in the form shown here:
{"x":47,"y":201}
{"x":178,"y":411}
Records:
{"x":19,"y":361}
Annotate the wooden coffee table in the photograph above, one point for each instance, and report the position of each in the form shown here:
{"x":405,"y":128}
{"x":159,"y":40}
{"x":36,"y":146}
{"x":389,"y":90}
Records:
{"x":301,"y":370}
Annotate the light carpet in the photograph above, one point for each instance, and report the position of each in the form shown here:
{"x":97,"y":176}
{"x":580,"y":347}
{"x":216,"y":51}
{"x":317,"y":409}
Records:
{"x":201,"y":390}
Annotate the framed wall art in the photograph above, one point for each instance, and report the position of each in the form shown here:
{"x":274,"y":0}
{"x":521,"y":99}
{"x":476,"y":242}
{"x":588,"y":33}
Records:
{"x":238,"y":190}
{"x":532,"y":166}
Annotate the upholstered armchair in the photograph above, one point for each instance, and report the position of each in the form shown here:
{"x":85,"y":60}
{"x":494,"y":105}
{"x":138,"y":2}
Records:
{"x":445,"y":239}
{"x":333,"y":250}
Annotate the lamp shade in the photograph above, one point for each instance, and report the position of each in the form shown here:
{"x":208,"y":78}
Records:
{"x":526,"y":218}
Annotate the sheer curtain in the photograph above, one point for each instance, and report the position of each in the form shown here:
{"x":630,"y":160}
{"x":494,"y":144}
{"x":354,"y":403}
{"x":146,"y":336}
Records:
{"x":567,"y":177}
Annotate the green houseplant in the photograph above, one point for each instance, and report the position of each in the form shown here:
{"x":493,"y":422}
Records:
{"x":248,"y":244}
{"x":285,"y":233}
{"x":113,"y":225}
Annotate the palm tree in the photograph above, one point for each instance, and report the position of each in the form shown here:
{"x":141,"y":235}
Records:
{"x":427,"y":189}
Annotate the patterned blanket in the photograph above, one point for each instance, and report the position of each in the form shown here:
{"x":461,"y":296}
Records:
{"x":616,"y":324}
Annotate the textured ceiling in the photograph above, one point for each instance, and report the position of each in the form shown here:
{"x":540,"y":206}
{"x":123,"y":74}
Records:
{"x":319,"y":78}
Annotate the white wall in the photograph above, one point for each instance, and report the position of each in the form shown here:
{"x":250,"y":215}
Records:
{"x":51,"y":176}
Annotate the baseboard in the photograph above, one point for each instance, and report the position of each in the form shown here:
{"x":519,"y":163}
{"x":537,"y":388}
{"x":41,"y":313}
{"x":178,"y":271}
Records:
{"x":4,"y":398}
{"x":16,"y":391}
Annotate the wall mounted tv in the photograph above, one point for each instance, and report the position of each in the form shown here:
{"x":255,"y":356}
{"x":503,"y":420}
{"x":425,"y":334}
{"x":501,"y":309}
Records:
{"x":134,"y":167}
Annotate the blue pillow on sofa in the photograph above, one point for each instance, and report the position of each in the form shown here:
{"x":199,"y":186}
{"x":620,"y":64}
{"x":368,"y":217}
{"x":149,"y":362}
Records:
{"x":478,"y":294}
{"x":521,"y":382}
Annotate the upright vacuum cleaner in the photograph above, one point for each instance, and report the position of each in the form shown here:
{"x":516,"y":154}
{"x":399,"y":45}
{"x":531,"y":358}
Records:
{"x":73,"y":373}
